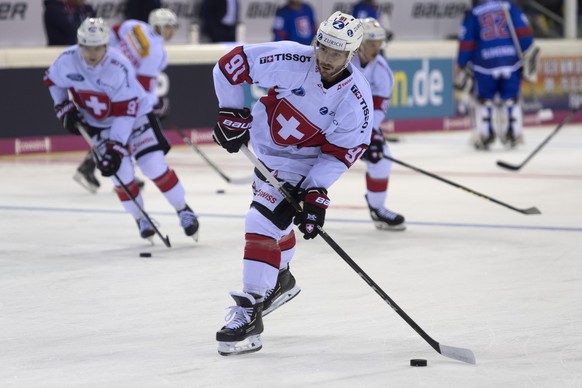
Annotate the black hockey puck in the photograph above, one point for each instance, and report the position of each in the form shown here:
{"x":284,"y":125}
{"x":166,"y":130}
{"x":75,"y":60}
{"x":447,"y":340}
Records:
{"x":418,"y":362}
{"x":219,"y":191}
{"x":145,"y":254}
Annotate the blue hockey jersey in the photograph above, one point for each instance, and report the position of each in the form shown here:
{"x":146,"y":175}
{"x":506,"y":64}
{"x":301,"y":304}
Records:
{"x":364,"y":10}
{"x":485,"y":37}
{"x":295,"y":25}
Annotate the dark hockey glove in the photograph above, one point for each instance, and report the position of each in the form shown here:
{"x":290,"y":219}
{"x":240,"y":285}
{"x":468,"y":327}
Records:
{"x":315,"y":201}
{"x":110,"y":161}
{"x":69,"y":115}
{"x":375,"y":151}
{"x":464,"y":80}
{"x":232,"y":128}
{"x":162,"y":108}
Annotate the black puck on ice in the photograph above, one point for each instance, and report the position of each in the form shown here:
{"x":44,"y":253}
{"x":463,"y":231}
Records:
{"x":219,"y":191}
{"x":145,"y":254}
{"x":418,"y":362}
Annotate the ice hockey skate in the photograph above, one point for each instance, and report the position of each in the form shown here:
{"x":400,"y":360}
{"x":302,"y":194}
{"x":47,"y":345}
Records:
{"x":146,"y":230}
{"x":285,"y":290}
{"x":85,"y":175}
{"x":483,"y":144}
{"x":385,"y":219}
{"x":242,"y":333}
{"x":189,"y":222}
{"x":510,"y":140}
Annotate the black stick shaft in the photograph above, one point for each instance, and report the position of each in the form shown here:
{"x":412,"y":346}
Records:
{"x":460,"y":354}
{"x":125,"y":189}
{"x":531,"y":210}
{"x":513,"y":167}
{"x":189,"y":141}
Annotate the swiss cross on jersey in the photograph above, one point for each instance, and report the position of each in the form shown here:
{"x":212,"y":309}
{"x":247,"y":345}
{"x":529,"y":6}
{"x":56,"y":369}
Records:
{"x":289,"y":126}
{"x":100,"y":106}
{"x":96,"y":104}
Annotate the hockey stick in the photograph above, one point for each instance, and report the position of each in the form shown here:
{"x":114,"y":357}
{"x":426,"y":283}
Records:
{"x":235,"y":181}
{"x":530,"y":210}
{"x":89,"y":141}
{"x":514,"y":167}
{"x":461,"y":354}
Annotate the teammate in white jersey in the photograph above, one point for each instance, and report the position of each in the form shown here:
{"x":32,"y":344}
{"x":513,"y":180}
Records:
{"x":143,"y":44}
{"x":314,"y":124}
{"x":114,"y":108}
{"x":375,"y":68}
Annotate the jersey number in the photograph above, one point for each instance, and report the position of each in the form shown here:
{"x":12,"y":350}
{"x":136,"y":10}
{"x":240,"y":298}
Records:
{"x":354,"y":154}
{"x":235,"y":67}
{"x":494,"y":26}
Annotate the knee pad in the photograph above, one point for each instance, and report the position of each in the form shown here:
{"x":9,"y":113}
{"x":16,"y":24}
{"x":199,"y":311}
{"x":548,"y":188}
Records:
{"x":153,"y":164}
{"x":512,"y":123}
{"x":485,"y":119}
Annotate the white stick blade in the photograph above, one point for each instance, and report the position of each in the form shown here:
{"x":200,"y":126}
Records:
{"x":465,"y":355}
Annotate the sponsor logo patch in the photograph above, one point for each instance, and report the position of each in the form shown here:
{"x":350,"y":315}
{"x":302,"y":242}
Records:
{"x":76,"y":77}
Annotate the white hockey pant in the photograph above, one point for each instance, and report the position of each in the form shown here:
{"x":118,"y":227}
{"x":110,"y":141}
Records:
{"x":268,"y":248}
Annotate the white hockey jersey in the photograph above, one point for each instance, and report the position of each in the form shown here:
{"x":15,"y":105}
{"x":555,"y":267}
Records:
{"x":381,"y":79}
{"x":299,"y":127}
{"x":144,"y":49}
{"x":108,"y":95}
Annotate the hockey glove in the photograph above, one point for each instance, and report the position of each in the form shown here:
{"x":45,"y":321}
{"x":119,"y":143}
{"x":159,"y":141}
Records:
{"x":375,"y":151}
{"x":232,"y":128}
{"x":464,"y":80}
{"x":315,"y":201}
{"x":110,"y":161}
{"x":162,"y":108}
{"x":69,"y":115}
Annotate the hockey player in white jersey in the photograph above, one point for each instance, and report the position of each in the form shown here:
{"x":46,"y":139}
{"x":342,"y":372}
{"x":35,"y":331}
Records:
{"x":143,"y":44}
{"x":314,"y":124}
{"x":378,"y":73}
{"x":113,"y":107}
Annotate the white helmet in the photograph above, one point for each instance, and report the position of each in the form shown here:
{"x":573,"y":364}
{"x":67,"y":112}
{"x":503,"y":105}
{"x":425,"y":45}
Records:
{"x":93,"y":32}
{"x":342,"y":32}
{"x":162,"y":17}
{"x":373,"y":30}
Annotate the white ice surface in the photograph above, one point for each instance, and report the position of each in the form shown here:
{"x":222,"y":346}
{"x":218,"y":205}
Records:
{"x":80,"y":308}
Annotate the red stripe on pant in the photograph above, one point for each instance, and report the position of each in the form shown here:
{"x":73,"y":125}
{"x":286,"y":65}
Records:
{"x":287,"y":242}
{"x":132,"y":187}
{"x":376,"y":185}
{"x":166,"y":181}
{"x":263,"y":249}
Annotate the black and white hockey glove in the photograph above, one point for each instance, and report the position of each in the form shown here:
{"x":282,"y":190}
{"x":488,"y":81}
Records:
{"x":375,"y":151}
{"x":69,"y":115}
{"x":464,"y":80}
{"x":315,"y":202}
{"x":232,"y":128}
{"x":110,"y":161}
{"x":162,"y":107}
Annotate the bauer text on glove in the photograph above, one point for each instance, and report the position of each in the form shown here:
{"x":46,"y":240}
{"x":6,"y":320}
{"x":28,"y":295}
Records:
{"x":232,"y":128}
{"x":315,"y":201}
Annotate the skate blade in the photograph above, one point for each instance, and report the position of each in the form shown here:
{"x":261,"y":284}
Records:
{"x":80,"y":179}
{"x":195,"y":236}
{"x":384,"y":226}
{"x":284,"y":298}
{"x":249,"y":345}
{"x":150,"y":239}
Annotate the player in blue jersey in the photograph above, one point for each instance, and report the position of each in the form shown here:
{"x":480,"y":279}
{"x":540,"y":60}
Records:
{"x":495,"y":36}
{"x":365,"y":9}
{"x":295,"y":21}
